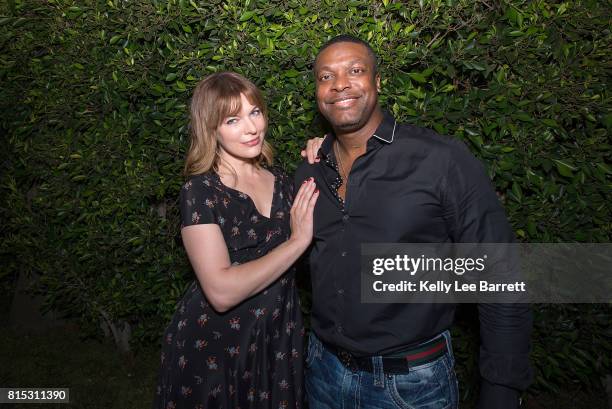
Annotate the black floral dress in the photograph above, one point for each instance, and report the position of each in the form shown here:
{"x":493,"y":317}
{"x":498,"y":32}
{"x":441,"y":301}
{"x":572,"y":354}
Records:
{"x":250,"y":356}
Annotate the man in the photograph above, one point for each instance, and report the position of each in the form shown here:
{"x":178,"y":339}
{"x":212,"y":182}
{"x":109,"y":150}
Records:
{"x":381,"y":182}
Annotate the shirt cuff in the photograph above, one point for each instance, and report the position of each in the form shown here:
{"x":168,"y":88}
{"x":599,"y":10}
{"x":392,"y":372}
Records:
{"x":494,"y":396}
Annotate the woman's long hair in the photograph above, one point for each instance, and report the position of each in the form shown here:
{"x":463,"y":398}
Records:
{"x":215,"y":98}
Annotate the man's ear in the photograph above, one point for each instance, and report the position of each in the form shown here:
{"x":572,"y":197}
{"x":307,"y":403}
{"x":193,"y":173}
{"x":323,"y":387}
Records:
{"x":377,"y":79}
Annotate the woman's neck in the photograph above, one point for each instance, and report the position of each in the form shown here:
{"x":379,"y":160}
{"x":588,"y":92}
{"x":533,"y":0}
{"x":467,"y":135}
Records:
{"x":229,"y":165}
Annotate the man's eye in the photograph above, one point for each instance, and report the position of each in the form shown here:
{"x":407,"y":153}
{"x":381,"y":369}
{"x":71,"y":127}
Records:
{"x":357,"y":70}
{"x":324,"y":77}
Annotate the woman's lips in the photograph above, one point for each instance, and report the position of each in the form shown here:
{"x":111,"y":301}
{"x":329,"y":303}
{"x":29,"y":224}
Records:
{"x":252,"y":142}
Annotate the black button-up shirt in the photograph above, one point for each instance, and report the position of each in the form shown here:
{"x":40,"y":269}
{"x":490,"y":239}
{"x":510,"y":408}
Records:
{"x":413,"y":186}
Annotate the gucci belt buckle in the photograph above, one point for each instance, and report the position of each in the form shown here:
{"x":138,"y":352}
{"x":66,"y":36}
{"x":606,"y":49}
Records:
{"x":347,"y":360}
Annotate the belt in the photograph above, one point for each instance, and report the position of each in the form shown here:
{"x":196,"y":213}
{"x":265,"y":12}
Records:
{"x":397,"y":363}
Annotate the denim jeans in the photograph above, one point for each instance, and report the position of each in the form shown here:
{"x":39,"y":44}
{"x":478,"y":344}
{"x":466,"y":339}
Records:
{"x":329,"y":384}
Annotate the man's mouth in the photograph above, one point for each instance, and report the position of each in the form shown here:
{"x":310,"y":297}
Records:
{"x":344,"y":101}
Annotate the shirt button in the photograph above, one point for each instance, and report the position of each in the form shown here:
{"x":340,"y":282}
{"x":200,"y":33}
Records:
{"x":345,"y":217}
{"x":339,"y":329}
{"x":341,"y":291}
{"x":343,"y":254}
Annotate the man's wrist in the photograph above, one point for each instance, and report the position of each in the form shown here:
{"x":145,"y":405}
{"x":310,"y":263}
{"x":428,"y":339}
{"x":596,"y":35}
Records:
{"x":494,"y":396}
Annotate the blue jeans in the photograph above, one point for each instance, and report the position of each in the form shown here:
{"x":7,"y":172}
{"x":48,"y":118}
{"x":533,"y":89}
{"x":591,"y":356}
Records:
{"x":329,"y":384}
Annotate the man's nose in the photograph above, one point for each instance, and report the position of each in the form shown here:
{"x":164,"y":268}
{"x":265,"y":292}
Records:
{"x":341,"y":82}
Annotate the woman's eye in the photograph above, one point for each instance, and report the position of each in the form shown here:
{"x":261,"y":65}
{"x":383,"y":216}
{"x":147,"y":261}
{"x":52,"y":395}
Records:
{"x":231,"y":121}
{"x":256,"y":112}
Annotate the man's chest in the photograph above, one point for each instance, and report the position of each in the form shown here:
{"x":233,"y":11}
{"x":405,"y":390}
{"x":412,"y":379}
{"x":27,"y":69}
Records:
{"x":383,"y":207}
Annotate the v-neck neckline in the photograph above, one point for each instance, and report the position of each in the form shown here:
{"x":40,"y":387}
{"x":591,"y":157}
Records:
{"x":249,"y":198}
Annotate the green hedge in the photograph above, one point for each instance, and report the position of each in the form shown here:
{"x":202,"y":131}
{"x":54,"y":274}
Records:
{"x":94,"y":105}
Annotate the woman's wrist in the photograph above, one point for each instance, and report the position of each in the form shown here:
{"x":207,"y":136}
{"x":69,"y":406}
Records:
{"x":299,"y":243}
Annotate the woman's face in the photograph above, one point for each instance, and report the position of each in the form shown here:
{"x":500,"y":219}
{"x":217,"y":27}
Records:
{"x":241,"y":136}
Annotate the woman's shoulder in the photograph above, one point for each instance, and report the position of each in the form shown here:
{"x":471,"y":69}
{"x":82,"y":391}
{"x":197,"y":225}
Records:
{"x":279,"y":173}
{"x":283,"y":181}
{"x":198,"y":200}
{"x":202,"y":183}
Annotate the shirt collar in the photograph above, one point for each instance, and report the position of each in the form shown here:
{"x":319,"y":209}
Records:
{"x":385,"y":132}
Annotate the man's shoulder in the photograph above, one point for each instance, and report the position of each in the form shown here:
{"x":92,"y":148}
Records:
{"x":428,"y":140}
{"x":304,"y":171}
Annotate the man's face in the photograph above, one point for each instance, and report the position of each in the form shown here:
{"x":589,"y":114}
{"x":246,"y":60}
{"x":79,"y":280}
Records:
{"x":346,"y":85}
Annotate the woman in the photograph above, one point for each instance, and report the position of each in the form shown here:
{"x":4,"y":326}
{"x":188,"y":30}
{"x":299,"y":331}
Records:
{"x":235,"y":340}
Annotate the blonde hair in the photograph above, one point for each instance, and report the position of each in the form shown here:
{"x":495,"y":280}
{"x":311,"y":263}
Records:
{"x":215,"y":98}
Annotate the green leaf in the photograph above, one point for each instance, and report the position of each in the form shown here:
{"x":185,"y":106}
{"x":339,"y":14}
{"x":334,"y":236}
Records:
{"x":604,"y":168}
{"x":531,"y":228}
{"x":476,"y":140}
{"x":550,"y":122}
{"x":158,"y":88}
{"x":247,"y":15}
{"x":171,"y":76}
{"x":522,"y":116}
{"x":564,"y":168}
{"x":292,"y":73}
{"x":418,"y":77}
{"x":517,"y":192}
{"x":477,"y":66}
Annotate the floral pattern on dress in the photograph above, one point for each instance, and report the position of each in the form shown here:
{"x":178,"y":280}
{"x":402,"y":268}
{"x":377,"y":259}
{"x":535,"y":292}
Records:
{"x":248,"y":357}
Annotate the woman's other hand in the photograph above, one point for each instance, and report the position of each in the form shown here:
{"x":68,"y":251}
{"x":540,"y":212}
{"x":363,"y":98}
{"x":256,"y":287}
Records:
{"x":312,"y":150}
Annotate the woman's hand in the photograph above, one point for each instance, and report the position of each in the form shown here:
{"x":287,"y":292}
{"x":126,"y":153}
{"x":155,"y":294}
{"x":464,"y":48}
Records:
{"x":302,"y":212}
{"x":312,"y":150}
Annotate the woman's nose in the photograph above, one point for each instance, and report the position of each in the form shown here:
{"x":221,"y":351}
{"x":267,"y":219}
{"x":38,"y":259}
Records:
{"x":250,"y":126}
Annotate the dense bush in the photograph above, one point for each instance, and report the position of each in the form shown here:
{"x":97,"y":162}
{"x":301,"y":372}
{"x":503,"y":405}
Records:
{"x":94,"y":97}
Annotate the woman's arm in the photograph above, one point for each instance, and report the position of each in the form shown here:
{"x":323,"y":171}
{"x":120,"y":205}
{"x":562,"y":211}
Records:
{"x":226,"y":285}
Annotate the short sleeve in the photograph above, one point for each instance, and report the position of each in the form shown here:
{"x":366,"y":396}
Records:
{"x":197,"y":203}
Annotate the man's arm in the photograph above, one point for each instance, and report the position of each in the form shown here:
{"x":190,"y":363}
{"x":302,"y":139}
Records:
{"x":476,"y":216}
